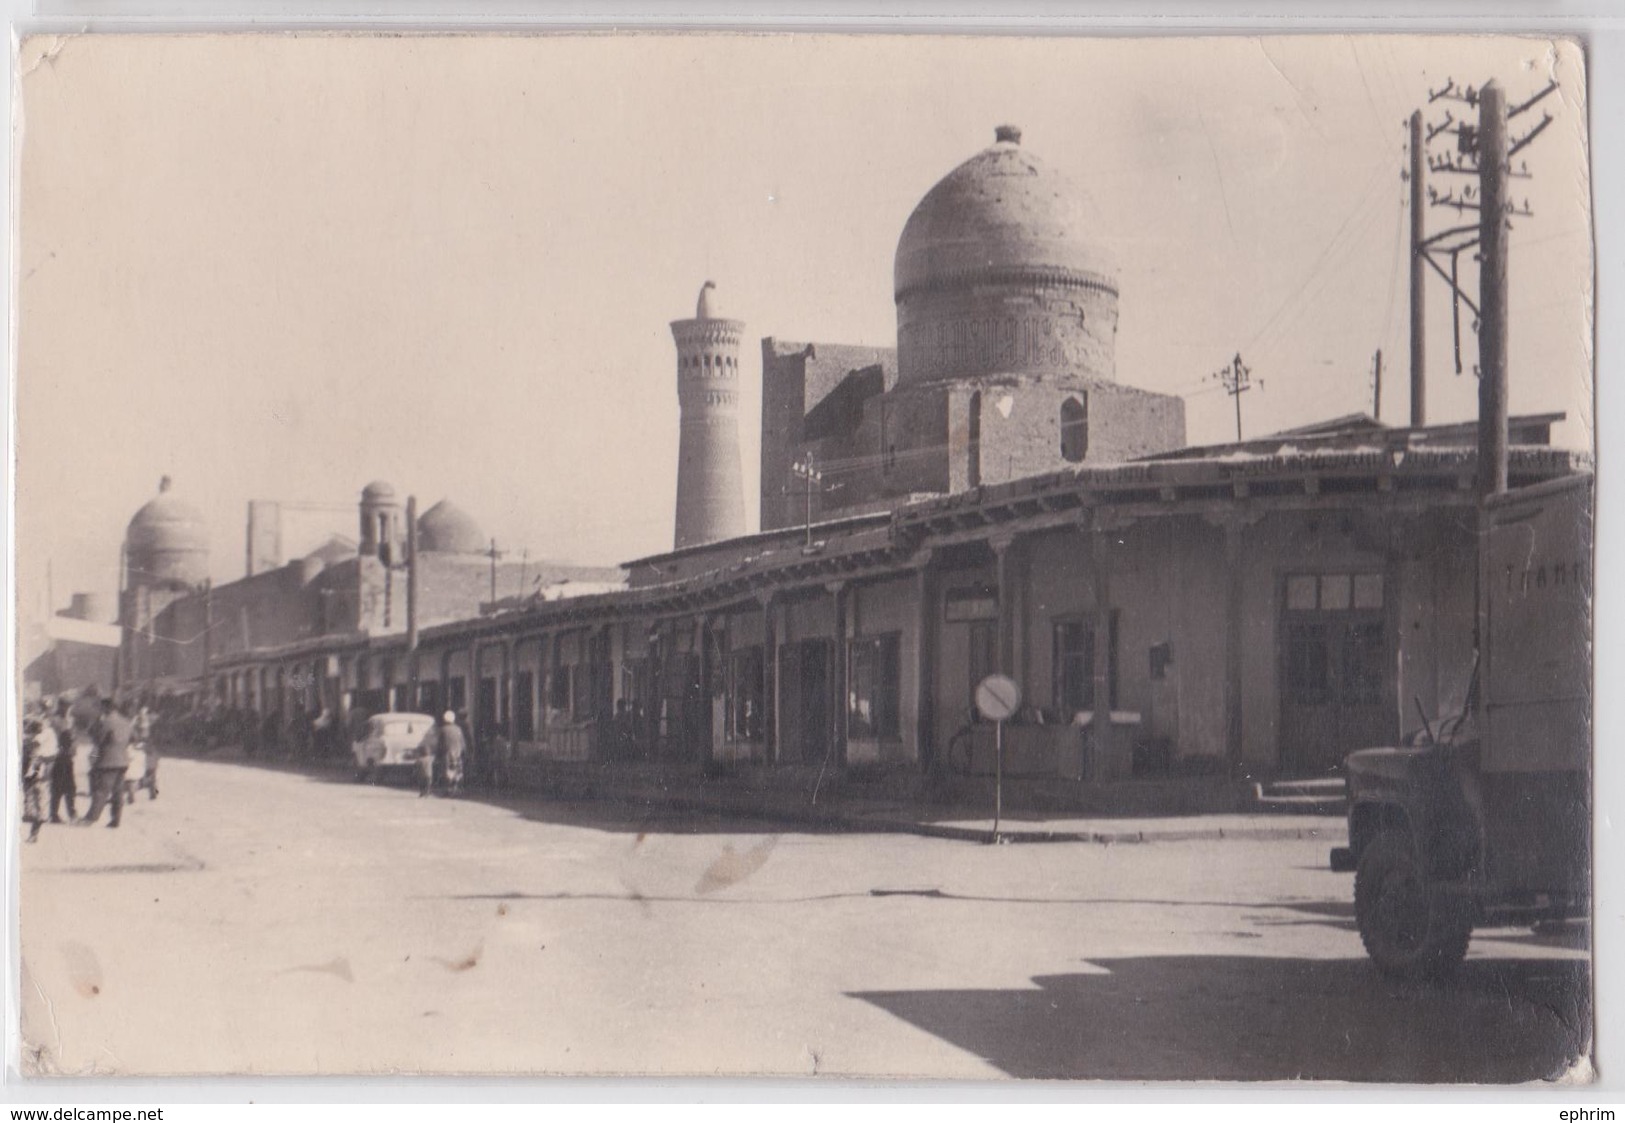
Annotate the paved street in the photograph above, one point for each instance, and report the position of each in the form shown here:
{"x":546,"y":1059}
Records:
{"x":263,"y":921}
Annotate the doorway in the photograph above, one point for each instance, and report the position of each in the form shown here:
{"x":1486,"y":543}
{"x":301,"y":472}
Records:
{"x":804,"y":701}
{"x":1337,"y":661}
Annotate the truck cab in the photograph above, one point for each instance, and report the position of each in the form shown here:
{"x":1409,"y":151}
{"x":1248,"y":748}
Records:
{"x":1484,"y":818}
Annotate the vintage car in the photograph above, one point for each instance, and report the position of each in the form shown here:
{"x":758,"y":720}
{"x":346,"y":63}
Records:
{"x":389,"y":741}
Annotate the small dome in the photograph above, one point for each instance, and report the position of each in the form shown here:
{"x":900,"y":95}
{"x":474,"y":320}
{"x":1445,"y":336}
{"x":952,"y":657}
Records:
{"x":446,"y":528}
{"x":706,"y":308}
{"x":1003,"y":211}
{"x":379,"y":491}
{"x":167,"y":541}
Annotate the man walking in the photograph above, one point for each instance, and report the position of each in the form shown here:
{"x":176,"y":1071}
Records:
{"x":63,"y":780}
{"x":452,"y":746}
{"x":109,"y":762}
{"x":428,"y":755}
{"x":141,"y":733}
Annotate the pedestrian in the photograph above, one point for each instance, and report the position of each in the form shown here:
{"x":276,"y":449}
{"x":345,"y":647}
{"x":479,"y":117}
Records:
{"x":146,"y":741}
{"x":452,"y":745}
{"x":428,"y":754}
{"x":36,"y":733}
{"x":109,"y":761}
{"x":498,"y":758}
{"x":64,"y":781}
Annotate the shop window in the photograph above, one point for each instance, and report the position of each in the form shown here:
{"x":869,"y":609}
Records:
{"x":875,"y":688}
{"x":1368,"y":590}
{"x":1074,"y":429}
{"x":1074,"y":666}
{"x":1334,"y":592}
{"x":745,"y":694}
{"x":559,"y":692}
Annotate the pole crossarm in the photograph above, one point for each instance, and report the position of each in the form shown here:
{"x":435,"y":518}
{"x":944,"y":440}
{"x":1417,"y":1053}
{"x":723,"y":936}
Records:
{"x":1551,"y":87}
{"x":1455,"y":288}
{"x":1452,"y":232}
{"x":1522,"y":142}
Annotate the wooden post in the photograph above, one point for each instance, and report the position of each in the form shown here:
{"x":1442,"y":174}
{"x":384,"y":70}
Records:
{"x":925,"y":660}
{"x":841,"y":679}
{"x":1418,"y":293}
{"x":1002,"y":548}
{"x":770,"y":680}
{"x":1492,"y":298}
{"x":1235,"y":594}
{"x":1100,"y":542}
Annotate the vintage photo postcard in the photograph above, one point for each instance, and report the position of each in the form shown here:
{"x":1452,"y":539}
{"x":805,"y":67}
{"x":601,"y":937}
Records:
{"x":938,"y":557}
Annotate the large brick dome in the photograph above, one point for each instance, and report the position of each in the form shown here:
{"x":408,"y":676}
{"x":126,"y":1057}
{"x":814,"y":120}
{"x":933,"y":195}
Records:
{"x":446,"y":528}
{"x":1000,"y":270}
{"x":167,"y":542}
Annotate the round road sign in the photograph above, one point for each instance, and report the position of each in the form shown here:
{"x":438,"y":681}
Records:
{"x":997,"y":697}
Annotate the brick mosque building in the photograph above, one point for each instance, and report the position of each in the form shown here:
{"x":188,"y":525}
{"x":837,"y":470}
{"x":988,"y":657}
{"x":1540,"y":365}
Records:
{"x":994,"y":496}
{"x":1005,"y":364}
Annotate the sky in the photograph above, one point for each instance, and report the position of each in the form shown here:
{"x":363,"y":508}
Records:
{"x":279,"y":267}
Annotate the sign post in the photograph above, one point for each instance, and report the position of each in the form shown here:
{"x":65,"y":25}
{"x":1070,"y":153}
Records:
{"x":997,"y":699}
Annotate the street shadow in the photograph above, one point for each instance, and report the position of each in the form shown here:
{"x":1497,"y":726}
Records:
{"x":582,"y":806}
{"x":1252,"y":1018}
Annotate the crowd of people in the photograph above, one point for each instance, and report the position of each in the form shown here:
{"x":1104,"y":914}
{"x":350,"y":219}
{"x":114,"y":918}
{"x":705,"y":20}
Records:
{"x":113,"y":737}
{"x":111,"y":744}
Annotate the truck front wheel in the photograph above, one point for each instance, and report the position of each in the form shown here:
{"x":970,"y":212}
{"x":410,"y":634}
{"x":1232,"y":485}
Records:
{"x":1410,"y":927}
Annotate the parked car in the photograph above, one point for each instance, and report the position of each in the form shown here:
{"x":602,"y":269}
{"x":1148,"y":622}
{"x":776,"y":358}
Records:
{"x":389,"y":741}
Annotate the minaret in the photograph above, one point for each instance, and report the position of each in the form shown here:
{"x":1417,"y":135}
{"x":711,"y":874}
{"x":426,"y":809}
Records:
{"x":710,"y":485}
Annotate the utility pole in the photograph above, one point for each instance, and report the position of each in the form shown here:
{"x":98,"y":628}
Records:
{"x":1236,"y":379}
{"x":412,"y":573}
{"x":1376,"y":386}
{"x":1471,"y":159}
{"x":493,"y":553}
{"x":1492,"y":290}
{"x":1419,"y":411}
{"x":412,"y":595}
{"x":806,"y":470}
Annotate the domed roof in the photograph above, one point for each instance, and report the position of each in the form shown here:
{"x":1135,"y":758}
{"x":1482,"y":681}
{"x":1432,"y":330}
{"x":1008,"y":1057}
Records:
{"x":167,"y":539}
{"x":1001,"y":212}
{"x":446,"y":528}
{"x":379,"y":491}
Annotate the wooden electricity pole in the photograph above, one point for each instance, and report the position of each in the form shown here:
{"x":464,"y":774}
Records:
{"x":1419,"y":411}
{"x":1492,"y":290}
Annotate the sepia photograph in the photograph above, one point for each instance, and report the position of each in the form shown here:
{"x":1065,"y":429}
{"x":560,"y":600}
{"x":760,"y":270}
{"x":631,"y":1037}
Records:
{"x":906,"y":557}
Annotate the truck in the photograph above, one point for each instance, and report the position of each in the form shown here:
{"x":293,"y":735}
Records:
{"x":1483,"y":818}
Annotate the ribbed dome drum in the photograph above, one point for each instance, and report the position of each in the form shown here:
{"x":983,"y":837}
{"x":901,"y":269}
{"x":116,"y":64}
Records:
{"x":998,"y":272}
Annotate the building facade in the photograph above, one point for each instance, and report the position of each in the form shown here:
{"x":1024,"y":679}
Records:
{"x":988,"y":497}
